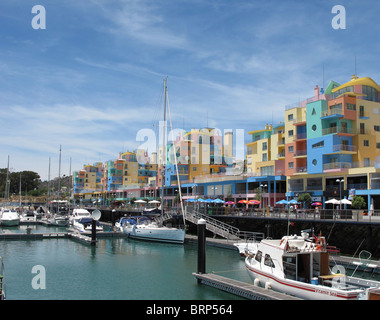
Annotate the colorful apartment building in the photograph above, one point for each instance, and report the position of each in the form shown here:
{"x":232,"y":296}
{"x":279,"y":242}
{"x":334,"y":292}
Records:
{"x":199,"y":152}
{"x":327,"y":146}
{"x":334,"y":149}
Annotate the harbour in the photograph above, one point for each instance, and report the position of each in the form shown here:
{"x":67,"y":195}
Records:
{"x":225,"y":279}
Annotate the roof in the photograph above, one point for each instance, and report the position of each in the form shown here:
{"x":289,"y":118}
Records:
{"x":355,"y":81}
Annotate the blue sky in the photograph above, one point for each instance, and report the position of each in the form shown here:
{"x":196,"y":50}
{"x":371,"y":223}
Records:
{"x":93,"y":78}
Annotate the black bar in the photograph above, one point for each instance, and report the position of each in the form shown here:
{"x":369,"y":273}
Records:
{"x":93,"y":232}
{"x":201,"y":247}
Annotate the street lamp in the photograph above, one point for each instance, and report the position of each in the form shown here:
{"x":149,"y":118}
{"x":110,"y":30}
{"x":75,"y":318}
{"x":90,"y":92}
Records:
{"x":262,"y":186}
{"x":340,"y":181}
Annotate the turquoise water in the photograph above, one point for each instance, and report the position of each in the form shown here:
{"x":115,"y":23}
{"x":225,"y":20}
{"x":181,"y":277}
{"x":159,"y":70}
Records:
{"x":115,"y":269}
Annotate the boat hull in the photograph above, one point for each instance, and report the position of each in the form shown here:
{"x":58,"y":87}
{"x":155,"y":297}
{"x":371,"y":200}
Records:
{"x":169,"y":235}
{"x":297,"y":288}
{"x":10,"y":222}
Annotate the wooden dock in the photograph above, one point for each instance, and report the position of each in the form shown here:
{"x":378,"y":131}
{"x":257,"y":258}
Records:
{"x":242,"y":289}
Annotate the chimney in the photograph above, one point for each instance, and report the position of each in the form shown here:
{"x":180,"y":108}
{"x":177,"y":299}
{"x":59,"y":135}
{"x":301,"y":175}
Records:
{"x":316,"y":91}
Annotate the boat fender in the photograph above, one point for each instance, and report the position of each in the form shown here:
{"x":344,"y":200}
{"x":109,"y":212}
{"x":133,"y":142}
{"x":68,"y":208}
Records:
{"x":256,"y":282}
{"x":268,"y":285}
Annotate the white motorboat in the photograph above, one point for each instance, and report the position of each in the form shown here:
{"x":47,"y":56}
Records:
{"x":147,"y":228}
{"x":299,"y":266}
{"x":59,"y":220}
{"x":77,"y":214}
{"x":9,"y":217}
{"x":84,"y":225}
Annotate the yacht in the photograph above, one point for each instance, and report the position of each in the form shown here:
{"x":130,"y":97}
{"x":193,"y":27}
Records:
{"x":79,"y":213}
{"x":299,"y":266}
{"x":149,"y":228}
{"x":59,"y":220}
{"x":9,"y":217}
{"x":84,"y":225}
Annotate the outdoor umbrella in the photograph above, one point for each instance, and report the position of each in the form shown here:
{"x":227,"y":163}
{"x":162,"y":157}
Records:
{"x":293,"y":201}
{"x":316,"y":204}
{"x":154,"y":201}
{"x":140,"y":201}
{"x":209,"y":200}
{"x":190,"y":200}
{"x":229,"y":202}
{"x":254,"y":202}
{"x":345,"y":201}
{"x":242,"y":201}
{"x":217,"y":201}
{"x":283,"y":201}
{"x":333,"y":201}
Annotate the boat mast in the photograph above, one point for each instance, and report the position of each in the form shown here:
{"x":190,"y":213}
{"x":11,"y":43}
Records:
{"x":59,"y":178}
{"x":7,"y":186}
{"x":163,"y":152}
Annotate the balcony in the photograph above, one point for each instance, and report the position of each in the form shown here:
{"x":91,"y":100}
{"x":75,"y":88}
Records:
{"x":299,"y":153}
{"x":300,"y":136}
{"x":336,"y":166}
{"x":332,"y":113}
{"x":343,"y":148}
{"x":338,"y":129}
{"x":300,"y":170}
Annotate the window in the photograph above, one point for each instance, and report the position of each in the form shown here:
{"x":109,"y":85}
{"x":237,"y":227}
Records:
{"x":314,"y":127}
{"x":378,"y":145}
{"x":290,"y":117}
{"x":313,"y":112}
{"x":318,"y":144}
{"x":268,"y":261}
{"x":366,"y":143}
{"x":265,"y":146}
{"x":291,"y":165}
{"x":290,"y":149}
{"x":290,"y":133}
{"x":351,"y":106}
{"x":376,"y":128}
{"x":258,"y":256}
{"x":314,"y":162}
{"x":370,"y":94}
{"x":362,"y":128}
{"x":265,"y":157}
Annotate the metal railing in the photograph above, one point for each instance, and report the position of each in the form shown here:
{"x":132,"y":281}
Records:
{"x":220,"y":228}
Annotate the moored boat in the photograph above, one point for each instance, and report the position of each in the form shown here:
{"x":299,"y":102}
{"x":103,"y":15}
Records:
{"x":299,"y":266}
{"x":9,"y":217}
{"x":148,"y":228}
{"x":84,"y":225}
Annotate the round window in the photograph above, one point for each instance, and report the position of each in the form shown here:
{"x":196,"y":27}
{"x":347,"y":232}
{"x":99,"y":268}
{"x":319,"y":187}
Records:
{"x":314,"y":127}
{"x":314,"y":162}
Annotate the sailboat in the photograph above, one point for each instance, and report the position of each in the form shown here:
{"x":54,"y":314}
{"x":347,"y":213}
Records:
{"x":8,"y":217}
{"x":151,"y":227}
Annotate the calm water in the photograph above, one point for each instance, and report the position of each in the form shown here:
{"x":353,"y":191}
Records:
{"x":115,"y":269}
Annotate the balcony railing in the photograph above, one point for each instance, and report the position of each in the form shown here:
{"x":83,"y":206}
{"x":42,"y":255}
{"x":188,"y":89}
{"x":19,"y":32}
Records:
{"x":344,"y":147}
{"x":299,"y":153}
{"x":337,"y":129}
{"x":337,"y":165}
{"x":300,"y":169}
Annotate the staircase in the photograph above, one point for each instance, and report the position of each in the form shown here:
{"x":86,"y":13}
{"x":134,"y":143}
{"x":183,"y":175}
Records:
{"x":219,"y":228}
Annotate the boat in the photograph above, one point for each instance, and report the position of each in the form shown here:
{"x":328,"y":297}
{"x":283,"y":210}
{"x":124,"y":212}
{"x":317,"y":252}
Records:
{"x":151,"y":229}
{"x":84,"y":225}
{"x":299,"y":266}
{"x":150,"y":226}
{"x":245,"y":248}
{"x":9,"y":217}
{"x":59,"y":220}
{"x":79,"y":213}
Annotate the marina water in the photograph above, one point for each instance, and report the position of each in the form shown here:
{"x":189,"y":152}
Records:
{"x":117,"y":268}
